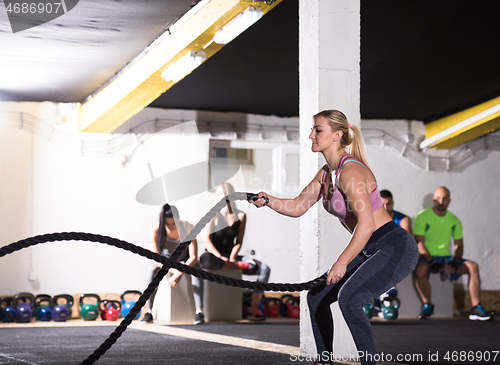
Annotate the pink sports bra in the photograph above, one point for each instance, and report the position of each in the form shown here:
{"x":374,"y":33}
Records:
{"x":337,"y":204}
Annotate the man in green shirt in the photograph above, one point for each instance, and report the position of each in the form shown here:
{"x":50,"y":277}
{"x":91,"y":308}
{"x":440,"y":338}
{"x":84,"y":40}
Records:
{"x":433,"y":229}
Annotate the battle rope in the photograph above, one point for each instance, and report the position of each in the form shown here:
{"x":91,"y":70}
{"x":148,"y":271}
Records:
{"x":168,"y":262}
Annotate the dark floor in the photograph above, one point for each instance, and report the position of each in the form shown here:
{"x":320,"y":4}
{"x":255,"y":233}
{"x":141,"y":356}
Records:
{"x":410,"y":338}
{"x":454,"y":341}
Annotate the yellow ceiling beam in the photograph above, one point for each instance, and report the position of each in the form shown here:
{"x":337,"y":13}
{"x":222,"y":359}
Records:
{"x":141,"y":83}
{"x":464,"y":126}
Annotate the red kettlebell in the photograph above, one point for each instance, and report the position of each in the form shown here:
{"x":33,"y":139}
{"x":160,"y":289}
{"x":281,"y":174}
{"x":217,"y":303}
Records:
{"x":113,"y":310}
{"x":273,"y":307}
{"x":103,"y":309}
{"x":292,"y":307}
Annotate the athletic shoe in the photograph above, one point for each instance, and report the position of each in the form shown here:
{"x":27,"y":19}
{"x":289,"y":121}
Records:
{"x":148,"y":318}
{"x":477,"y":313}
{"x":427,"y":311}
{"x":199,"y":318}
{"x":256,"y":315}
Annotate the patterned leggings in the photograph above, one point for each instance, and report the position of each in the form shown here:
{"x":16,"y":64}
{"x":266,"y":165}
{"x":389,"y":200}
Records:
{"x":389,"y":256}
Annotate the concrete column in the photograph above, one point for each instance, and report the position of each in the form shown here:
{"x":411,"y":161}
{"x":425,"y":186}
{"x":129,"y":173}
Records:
{"x":329,"y":56}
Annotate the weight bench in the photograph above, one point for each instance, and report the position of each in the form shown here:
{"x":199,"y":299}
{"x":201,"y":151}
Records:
{"x":441,"y":294}
{"x":174,"y":304}
{"x":220,"y":302}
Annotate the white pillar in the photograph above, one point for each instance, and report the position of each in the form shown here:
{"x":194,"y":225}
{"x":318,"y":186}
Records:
{"x":329,"y":56}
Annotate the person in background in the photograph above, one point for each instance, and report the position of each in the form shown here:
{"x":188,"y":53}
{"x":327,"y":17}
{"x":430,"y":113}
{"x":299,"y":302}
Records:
{"x":167,"y":236}
{"x":224,"y":241}
{"x":400,"y":219}
{"x":433,"y":228}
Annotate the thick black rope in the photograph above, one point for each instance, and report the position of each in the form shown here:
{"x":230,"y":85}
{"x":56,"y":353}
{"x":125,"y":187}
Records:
{"x":166,"y":261}
{"x":167,"y":264}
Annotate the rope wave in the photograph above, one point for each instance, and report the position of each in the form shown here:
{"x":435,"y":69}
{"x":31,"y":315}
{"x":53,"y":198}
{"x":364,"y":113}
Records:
{"x":168,"y":262}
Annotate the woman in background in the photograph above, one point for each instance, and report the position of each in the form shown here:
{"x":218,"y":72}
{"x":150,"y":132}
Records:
{"x":226,"y":232}
{"x":167,"y":236}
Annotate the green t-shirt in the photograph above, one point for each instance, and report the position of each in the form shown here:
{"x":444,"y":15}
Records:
{"x":437,"y":231}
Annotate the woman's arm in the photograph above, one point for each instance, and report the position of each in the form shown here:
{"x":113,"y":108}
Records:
{"x":299,"y":205}
{"x":239,"y":237}
{"x":193,"y":248}
{"x":406,"y":224}
{"x":209,"y":246}
{"x":353,"y":183}
{"x":191,"y":261}
{"x":155,"y":247}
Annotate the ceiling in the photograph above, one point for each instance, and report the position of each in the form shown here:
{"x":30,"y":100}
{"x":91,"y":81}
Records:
{"x":420,"y":60}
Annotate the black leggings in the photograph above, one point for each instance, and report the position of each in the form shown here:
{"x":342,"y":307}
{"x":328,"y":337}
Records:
{"x":390,"y":255}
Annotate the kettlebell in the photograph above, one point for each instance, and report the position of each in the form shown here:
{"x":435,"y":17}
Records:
{"x":43,"y":310}
{"x":390,"y":307}
{"x":24,"y":310}
{"x":368,"y":308}
{"x":292,"y":307}
{"x":89,"y":311}
{"x":61,"y":312}
{"x":272,"y":308}
{"x":127,"y":305}
{"x":103,"y":309}
{"x":7,"y":310}
{"x":37,"y":304}
{"x":113,"y":309}
{"x":284,"y":309}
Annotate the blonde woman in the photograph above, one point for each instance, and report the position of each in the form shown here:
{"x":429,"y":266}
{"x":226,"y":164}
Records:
{"x":379,"y":253}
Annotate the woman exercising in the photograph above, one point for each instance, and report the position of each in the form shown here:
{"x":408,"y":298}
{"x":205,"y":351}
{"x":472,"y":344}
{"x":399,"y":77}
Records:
{"x":167,"y":236}
{"x":379,"y":254}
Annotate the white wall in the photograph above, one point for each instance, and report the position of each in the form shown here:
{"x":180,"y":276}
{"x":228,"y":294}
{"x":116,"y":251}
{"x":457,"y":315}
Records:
{"x":15,"y":203}
{"x":47,"y":188}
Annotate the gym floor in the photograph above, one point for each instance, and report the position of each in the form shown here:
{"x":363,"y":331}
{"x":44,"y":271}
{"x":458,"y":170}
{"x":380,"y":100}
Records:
{"x":453,"y":341}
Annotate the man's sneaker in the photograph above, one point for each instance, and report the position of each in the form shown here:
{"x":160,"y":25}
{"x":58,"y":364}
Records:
{"x":148,"y":318}
{"x":477,"y":313}
{"x":199,"y":318}
{"x":256,"y":315}
{"x":427,"y":311}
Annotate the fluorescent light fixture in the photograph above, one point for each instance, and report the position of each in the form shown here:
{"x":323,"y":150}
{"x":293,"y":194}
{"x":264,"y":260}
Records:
{"x":238,"y":25}
{"x":459,"y":126}
{"x":184,"y":66}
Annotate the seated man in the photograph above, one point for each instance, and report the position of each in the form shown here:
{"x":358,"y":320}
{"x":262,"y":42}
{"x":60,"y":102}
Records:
{"x":433,"y":228}
{"x":400,"y":219}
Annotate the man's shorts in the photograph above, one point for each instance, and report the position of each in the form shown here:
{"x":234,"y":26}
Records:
{"x":443,"y":260}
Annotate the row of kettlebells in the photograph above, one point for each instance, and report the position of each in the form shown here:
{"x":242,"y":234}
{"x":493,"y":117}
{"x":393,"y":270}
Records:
{"x":23,"y":307}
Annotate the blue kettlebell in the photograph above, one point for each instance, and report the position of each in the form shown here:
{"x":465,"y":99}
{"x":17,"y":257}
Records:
{"x":7,"y":310}
{"x":24,"y":307}
{"x":368,"y":308}
{"x":61,"y":312}
{"x":390,"y":307}
{"x":43,"y":310}
{"x":127,"y":305}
